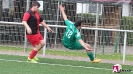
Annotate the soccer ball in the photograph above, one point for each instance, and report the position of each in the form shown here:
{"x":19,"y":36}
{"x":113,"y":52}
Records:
{"x":117,"y":68}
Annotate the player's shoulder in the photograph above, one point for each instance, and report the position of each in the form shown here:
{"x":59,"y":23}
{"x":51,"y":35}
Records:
{"x":27,"y":14}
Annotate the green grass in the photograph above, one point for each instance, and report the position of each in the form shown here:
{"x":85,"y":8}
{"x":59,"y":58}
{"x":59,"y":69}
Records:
{"x":10,"y":64}
{"x":116,"y":56}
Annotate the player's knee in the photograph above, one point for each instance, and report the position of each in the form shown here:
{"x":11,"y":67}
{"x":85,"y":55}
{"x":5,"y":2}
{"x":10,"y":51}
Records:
{"x":42,"y":43}
{"x":37,"y":47}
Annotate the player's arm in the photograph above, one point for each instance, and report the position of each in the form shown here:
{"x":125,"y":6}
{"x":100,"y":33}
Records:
{"x":62,"y":8}
{"x":25,"y":18}
{"x":45,"y":25}
{"x":78,"y":37}
{"x":26,"y":25}
{"x":83,"y":44}
{"x":67,"y":22}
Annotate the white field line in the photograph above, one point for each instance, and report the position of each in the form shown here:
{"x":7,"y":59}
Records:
{"x":58,"y":65}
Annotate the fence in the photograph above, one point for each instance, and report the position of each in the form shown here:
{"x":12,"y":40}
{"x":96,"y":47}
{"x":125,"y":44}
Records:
{"x":115,"y":18}
{"x":84,"y":28}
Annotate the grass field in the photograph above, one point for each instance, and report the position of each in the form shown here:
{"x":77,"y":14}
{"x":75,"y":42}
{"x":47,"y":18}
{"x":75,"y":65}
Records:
{"x":10,"y":64}
{"x":116,"y":56}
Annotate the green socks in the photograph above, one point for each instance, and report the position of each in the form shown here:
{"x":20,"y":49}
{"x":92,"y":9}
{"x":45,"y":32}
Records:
{"x":90,"y":54}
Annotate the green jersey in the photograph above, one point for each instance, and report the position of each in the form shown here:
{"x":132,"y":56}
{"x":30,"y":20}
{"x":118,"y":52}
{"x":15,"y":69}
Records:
{"x":71,"y":34}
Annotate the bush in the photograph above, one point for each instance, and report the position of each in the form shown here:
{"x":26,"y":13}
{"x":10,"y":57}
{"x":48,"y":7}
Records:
{"x":127,"y":24}
{"x":88,"y":16}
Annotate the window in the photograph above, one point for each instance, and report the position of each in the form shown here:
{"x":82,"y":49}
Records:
{"x":88,"y":8}
{"x":93,"y":8}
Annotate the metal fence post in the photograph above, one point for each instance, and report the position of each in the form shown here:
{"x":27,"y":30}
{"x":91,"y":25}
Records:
{"x":45,"y":37}
{"x":25,"y":39}
{"x":56,"y":29}
{"x":96,"y":31}
{"x":124,"y":48}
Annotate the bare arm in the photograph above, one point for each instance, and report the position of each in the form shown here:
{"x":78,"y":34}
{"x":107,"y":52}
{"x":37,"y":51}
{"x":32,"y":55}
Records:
{"x":82,"y":43}
{"x":25,"y":24}
{"x":27,"y":27}
{"x":63,"y":12}
{"x":45,"y":25}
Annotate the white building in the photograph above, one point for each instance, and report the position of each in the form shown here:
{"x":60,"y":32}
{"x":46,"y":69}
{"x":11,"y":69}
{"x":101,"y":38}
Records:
{"x":127,"y":10}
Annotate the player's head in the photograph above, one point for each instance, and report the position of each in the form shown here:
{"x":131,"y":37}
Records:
{"x":35,"y":5}
{"x":79,"y":24}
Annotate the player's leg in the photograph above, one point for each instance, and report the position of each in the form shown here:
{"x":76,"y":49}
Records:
{"x":35,"y":41}
{"x":78,"y":46}
{"x":42,"y":45}
{"x":90,"y":54}
{"x":32,"y":57}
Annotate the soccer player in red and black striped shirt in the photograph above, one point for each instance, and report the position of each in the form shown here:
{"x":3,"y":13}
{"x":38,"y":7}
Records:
{"x":31,"y":21}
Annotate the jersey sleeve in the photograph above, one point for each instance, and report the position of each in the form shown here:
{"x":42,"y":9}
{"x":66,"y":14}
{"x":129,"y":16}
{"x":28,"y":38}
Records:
{"x":41,"y":19}
{"x":26,"y":16}
{"x":68,"y":23}
{"x":77,"y":35}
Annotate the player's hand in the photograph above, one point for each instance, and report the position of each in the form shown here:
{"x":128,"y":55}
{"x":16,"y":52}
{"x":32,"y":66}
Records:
{"x":62,"y":7}
{"x":50,"y":30}
{"x":88,"y":49}
{"x":29,"y":31}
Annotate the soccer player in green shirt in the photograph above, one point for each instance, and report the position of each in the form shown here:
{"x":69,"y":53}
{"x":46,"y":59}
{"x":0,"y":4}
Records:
{"x":72,"y":38}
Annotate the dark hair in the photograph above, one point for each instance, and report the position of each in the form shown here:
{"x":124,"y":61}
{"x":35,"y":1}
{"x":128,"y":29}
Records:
{"x":78,"y":23}
{"x":35,"y":3}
